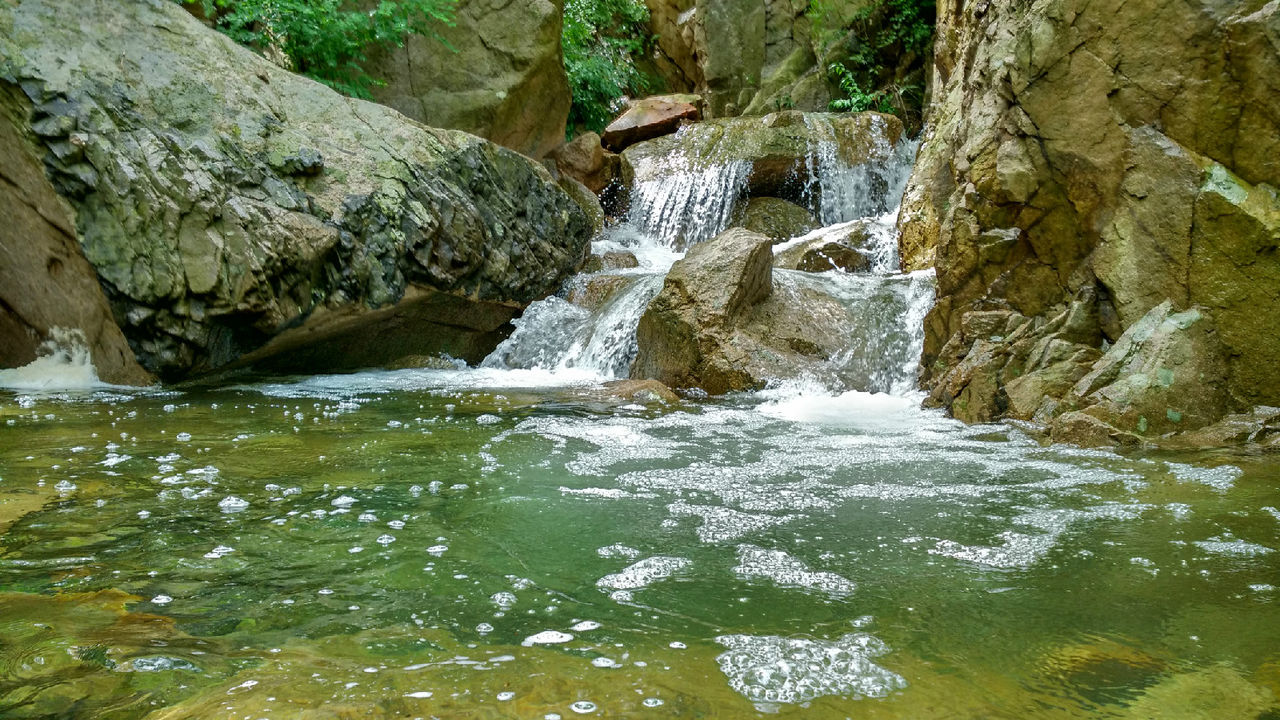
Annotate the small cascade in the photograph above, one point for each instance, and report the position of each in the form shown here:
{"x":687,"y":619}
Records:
{"x":64,"y":363}
{"x":686,"y":200}
{"x":555,"y":334}
{"x":690,"y":194}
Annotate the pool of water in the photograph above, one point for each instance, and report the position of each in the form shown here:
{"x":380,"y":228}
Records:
{"x":493,"y":544}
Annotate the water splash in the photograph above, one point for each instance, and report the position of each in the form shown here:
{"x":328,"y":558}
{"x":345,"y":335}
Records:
{"x":63,"y":363}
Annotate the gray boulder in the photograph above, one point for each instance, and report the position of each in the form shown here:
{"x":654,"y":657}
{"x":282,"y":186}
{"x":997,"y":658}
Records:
{"x":236,"y":213}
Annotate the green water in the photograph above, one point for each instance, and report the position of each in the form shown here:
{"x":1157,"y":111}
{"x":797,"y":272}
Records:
{"x":387,"y":544}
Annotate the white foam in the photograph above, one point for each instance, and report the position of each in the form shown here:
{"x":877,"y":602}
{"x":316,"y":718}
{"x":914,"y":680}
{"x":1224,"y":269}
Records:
{"x":788,"y":571}
{"x":772,"y":669}
{"x":644,"y":573}
{"x":63,"y":363}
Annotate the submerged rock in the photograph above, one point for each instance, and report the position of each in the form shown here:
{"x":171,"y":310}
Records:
{"x":236,"y":213}
{"x":651,"y":117}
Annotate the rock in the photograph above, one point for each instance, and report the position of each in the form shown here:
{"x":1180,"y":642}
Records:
{"x":612,"y":260}
{"x":504,"y":80}
{"x":844,"y":250}
{"x":671,"y":22}
{"x":422,"y":362}
{"x":651,"y":117}
{"x":776,"y":218}
{"x":1097,"y":150}
{"x":1258,"y":427}
{"x":587,"y":201}
{"x":1165,"y":374}
{"x":638,"y":391}
{"x":684,"y":332}
{"x":586,"y":161}
{"x":725,"y":321}
{"x":729,"y":44}
{"x":46,"y":284}
{"x":1213,"y":691}
{"x":235,"y":213}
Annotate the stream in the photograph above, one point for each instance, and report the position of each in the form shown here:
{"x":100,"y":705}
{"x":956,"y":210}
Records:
{"x":512,"y":541}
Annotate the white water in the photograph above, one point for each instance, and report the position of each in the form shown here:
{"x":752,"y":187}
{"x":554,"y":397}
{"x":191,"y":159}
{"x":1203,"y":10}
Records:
{"x":64,"y":363}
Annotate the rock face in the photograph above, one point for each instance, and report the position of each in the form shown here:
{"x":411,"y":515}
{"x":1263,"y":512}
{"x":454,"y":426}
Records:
{"x":1093,"y":168}
{"x":649,"y":118}
{"x":237,"y":213}
{"x":776,"y":218}
{"x":752,"y":57}
{"x":505,"y":82}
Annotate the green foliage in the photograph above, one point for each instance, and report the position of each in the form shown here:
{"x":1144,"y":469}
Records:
{"x":602,"y":39}
{"x":325,"y":39}
{"x":884,"y":33}
{"x":855,"y":98}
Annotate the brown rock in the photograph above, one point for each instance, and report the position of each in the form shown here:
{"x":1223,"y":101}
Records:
{"x":1101,"y":148}
{"x":584,"y":160}
{"x":593,"y":291}
{"x":612,"y":260}
{"x":649,"y":118}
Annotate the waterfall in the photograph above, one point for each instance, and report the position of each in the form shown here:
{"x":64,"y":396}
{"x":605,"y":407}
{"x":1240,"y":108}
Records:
{"x":686,"y":196}
{"x":684,"y":199}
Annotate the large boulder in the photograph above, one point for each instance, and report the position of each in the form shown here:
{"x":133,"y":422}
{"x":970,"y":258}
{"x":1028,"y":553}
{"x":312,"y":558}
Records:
{"x":1118,"y":154}
{"x":501,"y":77}
{"x":725,"y":321}
{"x":235,"y":212}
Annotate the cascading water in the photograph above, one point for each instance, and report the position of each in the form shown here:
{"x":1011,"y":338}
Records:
{"x":686,"y":197}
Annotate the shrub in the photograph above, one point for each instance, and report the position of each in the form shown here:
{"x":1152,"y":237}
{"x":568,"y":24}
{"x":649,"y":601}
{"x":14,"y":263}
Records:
{"x":602,"y":40}
{"x":324,"y":39}
{"x":885,"y":34}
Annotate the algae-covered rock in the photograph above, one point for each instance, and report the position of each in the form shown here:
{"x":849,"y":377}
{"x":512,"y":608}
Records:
{"x":776,"y":218}
{"x":501,"y":76}
{"x":226,"y":204}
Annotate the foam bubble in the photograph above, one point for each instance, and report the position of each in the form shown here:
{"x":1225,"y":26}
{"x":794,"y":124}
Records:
{"x":773,"y":669}
{"x":788,"y":571}
{"x":644,"y":573}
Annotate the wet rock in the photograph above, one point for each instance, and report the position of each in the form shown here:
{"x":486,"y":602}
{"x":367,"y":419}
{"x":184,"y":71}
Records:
{"x":640,"y":391}
{"x":586,"y":200}
{"x":1216,"y":691}
{"x":684,"y":334}
{"x":612,"y":260}
{"x":591,"y":292}
{"x":724,"y":321}
{"x":1258,"y":427}
{"x":845,"y":251}
{"x":503,"y":80}
{"x":1050,"y":168}
{"x":651,"y":117}
{"x":235,"y":213}
{"x":776,"y":218}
